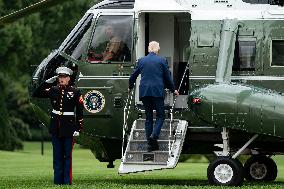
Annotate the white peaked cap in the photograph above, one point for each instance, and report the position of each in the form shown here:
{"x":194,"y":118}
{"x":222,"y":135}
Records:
{"x":64,"y":70}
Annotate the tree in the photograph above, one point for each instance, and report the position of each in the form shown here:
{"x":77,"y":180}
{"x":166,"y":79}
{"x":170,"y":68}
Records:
{"x":24,"y":43}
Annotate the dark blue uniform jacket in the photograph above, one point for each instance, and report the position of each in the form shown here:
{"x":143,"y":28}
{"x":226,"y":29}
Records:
{"x":63,"y":99}
{"x":155,"y":76}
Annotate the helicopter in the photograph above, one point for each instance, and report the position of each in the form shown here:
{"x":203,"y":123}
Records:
{"x":226,"y":58}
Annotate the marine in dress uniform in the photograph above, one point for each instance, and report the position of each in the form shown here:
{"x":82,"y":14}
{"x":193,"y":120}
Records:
{"x":64,"y":123}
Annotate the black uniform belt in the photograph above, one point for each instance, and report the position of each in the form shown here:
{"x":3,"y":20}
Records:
{"x":62,"y":113}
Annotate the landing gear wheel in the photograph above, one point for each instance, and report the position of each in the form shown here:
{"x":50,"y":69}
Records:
{"x":260,"y":168}
{"x":225,"y":171}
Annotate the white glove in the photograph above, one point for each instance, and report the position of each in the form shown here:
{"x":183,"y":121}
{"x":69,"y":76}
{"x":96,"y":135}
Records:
{"x":76,"y":133}
{"x":51,"y":80}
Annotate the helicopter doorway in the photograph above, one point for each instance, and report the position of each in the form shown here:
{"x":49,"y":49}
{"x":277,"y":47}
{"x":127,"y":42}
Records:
{"x":172,"y":31}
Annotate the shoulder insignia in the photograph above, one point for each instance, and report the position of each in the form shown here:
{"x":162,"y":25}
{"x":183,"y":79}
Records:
{"x":81,"y":100}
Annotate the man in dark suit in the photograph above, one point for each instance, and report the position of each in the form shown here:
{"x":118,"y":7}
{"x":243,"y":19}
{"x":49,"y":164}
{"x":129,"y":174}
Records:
{"x":155,"y":77}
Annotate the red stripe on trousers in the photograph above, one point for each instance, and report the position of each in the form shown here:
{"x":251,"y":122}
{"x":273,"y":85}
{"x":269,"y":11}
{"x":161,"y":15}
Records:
{"x":70,"y":176}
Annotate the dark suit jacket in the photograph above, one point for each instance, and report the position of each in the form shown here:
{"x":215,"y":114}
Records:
{"x":155,"y":76}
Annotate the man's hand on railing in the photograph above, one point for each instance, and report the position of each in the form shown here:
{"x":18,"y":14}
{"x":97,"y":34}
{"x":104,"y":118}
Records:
{"x":130,"y":91}
{"x":176,"y":93}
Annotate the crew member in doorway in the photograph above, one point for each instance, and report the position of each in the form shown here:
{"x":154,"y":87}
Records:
{"x":64,"y":125}
{"x":155,"y":77}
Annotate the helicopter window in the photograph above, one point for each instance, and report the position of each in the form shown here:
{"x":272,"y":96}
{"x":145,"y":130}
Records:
{"x":245,"y":52}
{"x":78,"y":44}
{"x":112,"y":40}
{"x":277,"y":53}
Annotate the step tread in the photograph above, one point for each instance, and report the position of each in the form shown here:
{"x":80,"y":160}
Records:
{"x":153,"y":152}
{"x":145,"y":163}
{"x":144,"y":129}
{"x":155,"y":119}
{"x":146,"y":140}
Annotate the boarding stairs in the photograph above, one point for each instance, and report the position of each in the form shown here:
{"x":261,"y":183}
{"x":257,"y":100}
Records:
{"x":137,"y":159}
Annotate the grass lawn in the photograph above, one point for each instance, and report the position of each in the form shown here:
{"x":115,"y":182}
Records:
{"x":29,"y":169}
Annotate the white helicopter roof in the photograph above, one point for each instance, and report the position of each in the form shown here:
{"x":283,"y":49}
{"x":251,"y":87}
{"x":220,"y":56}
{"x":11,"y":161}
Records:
{"x":158,"y":6}
{"x":231,"y":9}
{"x":202,"y":9}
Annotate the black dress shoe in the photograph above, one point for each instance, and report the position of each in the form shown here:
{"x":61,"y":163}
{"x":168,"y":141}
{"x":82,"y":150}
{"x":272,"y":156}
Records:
{"x":155,"y":145}
{"x":150,"y":141}
{"x":150,"y":148}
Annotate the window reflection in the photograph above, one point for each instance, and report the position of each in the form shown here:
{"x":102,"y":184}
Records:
{"x":277,"y":53}
{"x":112,"y":40}
{"x":245,"y":55}
{"x":79,"y":42}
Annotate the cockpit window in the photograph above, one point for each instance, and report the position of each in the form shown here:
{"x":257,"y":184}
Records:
{"x":245,"y":53}
{"x":79,"y":41}
{"x":112,"y":40}
{"x":277,"y":53}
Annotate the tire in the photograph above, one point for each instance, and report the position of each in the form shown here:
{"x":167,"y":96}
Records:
{"x":233,"y":169}
{"x":260,"y":168}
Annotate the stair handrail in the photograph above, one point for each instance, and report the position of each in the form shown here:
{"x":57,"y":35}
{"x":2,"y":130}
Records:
{"x":173,"y":107}
{"x":126,"y":112}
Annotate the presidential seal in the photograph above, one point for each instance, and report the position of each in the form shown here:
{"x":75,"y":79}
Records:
{"x":94,"y":101}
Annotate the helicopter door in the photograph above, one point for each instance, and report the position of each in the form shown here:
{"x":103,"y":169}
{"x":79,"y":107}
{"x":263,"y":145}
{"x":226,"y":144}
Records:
{"x":173,"y":36}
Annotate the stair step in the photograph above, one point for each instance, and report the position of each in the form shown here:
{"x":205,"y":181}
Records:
{"x":139,"y":134}
{"x":146,"y":163}
{"x":156,"y":157}
{"x":141,"y":145}
{"x":141,"y":124}
{"x":139,"y":167}
{"x":137,"y":159}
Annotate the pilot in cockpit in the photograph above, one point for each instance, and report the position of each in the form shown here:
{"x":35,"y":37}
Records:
{"x":109,"y":50}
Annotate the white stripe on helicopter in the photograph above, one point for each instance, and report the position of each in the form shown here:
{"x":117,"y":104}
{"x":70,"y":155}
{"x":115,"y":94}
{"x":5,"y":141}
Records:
{"x":104,"y":78}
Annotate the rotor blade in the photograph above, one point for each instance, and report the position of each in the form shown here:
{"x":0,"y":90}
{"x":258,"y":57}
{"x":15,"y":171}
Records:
{"x":29,"y":10}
